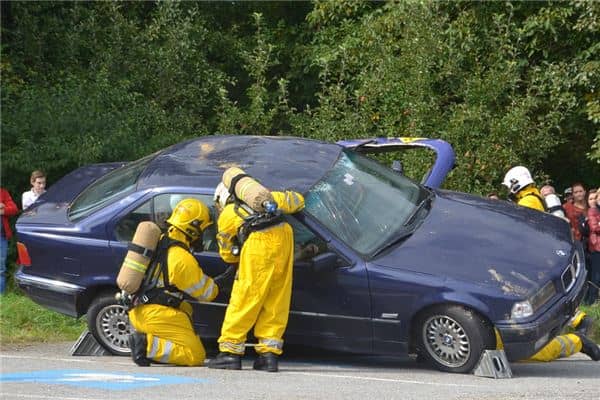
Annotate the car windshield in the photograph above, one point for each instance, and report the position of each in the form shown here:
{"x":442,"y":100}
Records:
{"x":365,"y":204}
{"x":112,"y":186}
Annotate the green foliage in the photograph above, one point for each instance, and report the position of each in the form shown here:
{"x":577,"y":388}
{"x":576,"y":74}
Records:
{"x":426,"y":69}
{"x":505,"y":83}
{"x":23,"y":321}
{"x":264,"y":110}
{"x":593,"y":312}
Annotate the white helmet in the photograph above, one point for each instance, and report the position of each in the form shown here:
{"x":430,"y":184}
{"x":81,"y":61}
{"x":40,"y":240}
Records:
{"x":221,"y":195}
{"x":517,"y":178}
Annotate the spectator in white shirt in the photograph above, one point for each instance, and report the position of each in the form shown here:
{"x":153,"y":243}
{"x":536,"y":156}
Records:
{"x":38,"y":186}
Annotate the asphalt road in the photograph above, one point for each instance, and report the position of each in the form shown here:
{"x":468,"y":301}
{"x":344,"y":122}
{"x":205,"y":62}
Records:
{"x":49,"y":372}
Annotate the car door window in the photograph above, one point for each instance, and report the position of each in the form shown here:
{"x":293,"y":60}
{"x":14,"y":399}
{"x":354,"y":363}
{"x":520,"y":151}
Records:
{"x":306,"y":244}
{"x":158,"y":210}
{"x":127,"y":225}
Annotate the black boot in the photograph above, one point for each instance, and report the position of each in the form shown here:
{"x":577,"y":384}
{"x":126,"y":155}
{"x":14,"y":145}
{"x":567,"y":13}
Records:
{"x":138,"y":344}
{"x":584,"y":325}
{"x":225,"y":360}
{"x":589,"y":348}
{"x":266,"y":362}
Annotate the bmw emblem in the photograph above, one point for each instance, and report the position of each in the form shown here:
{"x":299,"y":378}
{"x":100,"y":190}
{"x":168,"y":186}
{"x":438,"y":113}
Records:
{"x":561,"y":253}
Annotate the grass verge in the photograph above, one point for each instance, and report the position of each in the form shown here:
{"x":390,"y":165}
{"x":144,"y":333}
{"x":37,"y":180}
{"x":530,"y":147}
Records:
{"x":594,"y":313}
{"x":23,"y":321}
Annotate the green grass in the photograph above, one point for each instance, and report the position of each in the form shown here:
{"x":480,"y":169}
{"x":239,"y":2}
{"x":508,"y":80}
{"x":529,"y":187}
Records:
{"x":23,"y":321}
{"x":594,"y":312}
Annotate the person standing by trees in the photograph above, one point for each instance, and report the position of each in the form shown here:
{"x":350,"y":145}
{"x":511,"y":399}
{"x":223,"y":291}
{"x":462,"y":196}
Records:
{"x":593,"y":222}
{"x":576,"y":210}
{"x":8,"y":208}
{"x":38,"y":186}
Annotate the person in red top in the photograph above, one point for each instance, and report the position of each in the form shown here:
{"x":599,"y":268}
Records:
{"x":8,"y":208}
{"x":594,"y":246}
{"x":577,"y":209}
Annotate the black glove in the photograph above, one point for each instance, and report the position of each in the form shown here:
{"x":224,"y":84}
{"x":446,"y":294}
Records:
{"x":226,"y":278}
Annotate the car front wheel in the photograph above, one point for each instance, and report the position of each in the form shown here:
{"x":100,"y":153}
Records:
{"x":452,"y":338}
{"x":109,"y":324}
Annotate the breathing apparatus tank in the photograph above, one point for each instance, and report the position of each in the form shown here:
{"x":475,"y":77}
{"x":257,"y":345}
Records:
{"x":247,"y":189}
{"x":553,"y":205}
{"x":141,"y":250}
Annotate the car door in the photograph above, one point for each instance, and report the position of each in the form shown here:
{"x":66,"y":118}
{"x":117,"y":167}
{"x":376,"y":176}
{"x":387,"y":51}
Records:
{"x":330,"y":298}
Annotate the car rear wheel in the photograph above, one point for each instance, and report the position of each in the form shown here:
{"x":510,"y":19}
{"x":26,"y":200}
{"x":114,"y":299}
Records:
{"x":452,"y":338}
{"x":108,"y":322}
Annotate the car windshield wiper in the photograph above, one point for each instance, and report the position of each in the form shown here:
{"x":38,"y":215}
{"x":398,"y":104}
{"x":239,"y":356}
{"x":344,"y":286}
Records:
{"x":418,"y":208}
{"x":393,"y":242}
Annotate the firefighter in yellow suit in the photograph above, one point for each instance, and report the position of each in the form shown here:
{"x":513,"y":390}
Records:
{"x":261,"y":293}
{"x":165,"y":334}
{"x":523,"y":190}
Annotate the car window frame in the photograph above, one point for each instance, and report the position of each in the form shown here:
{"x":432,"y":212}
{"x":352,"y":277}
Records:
{"x":151,"y":198}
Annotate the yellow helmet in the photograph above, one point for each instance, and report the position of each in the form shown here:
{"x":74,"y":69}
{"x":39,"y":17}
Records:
{"x":190,"y":216}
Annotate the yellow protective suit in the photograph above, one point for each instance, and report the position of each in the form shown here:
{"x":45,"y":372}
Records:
{"x":261,"y":294}
{"x":169,"y":331}
{"x":530,"y":197}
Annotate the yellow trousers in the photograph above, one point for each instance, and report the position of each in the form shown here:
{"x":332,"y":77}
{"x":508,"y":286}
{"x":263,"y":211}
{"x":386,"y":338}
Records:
{"x":559,"y":347}
{"x":170,"y":334}
{"x":261,"y":294}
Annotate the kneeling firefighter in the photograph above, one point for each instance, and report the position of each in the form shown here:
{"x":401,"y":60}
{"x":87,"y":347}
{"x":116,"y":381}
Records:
{"x":161,"y":315}
{"x":253,"y":233}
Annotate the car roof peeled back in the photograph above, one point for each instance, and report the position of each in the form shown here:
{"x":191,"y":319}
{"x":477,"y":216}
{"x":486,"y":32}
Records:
{"x":277,"y":162}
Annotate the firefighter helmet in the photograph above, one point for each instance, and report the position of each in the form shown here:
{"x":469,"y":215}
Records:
{"x":190,"y":216}
{"x":517,"y":178}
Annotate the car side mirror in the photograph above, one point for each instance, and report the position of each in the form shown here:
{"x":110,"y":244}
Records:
{"x":324,"y":263}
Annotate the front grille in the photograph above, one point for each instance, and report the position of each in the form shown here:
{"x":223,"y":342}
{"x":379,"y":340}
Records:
{"x":570,"y":274}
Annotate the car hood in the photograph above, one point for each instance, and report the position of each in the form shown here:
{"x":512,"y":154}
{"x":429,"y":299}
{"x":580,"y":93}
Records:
{"x":486,"y":242}
{"x":51,"y":207}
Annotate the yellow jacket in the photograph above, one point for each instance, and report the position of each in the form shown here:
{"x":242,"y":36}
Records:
{"x":288,"y":202}
{"x":530,"y":197}
{"x":186,"y":274}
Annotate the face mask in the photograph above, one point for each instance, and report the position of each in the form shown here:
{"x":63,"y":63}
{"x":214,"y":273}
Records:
{"x":197,"y":245}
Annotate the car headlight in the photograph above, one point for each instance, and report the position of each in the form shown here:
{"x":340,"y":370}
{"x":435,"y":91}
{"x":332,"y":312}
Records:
{"x":522,"y":309}
{"x":526,"y":308}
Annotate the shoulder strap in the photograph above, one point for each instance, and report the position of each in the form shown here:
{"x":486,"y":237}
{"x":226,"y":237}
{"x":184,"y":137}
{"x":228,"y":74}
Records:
{"x":160,"y":259}
{"x":164,"y":263}
{"x":234,"y":182}
{"x":540,"y":198}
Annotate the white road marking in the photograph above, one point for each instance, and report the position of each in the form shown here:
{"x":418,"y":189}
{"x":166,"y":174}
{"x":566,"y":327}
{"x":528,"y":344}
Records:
{"x":367,"y":378}
{"x":95,"y":377}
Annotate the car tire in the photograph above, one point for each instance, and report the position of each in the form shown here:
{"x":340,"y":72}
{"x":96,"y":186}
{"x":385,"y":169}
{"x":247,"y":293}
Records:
{"x":452,"y":338}
{"x":108,"y":323}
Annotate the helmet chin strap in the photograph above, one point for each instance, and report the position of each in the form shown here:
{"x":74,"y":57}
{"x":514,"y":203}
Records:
{"x":177,"y":234}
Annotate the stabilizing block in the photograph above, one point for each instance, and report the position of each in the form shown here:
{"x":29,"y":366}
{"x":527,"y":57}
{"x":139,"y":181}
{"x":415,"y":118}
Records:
{"x":87,"y":345}
{"x":493,"y":364}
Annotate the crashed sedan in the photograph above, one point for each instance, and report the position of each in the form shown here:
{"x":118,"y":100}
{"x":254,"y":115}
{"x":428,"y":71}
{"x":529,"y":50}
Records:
{"x":402,"y":267}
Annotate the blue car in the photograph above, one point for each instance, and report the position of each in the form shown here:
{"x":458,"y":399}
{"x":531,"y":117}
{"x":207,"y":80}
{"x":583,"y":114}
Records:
{"x":402,"y":267}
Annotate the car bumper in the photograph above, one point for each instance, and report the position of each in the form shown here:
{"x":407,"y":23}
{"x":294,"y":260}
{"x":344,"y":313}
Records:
{"x":53,"y":294}
{"x":521,"y":341}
